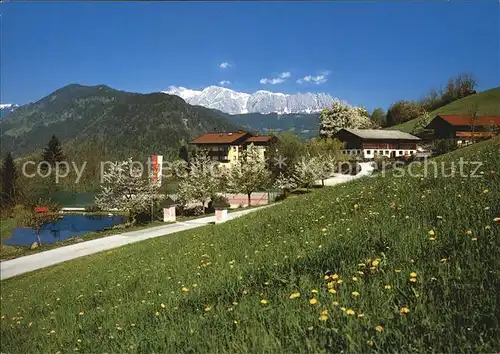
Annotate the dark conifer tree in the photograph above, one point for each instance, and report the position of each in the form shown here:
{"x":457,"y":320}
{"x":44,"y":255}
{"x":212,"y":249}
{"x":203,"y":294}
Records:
{"x":53,"y":152}
{"x":9,"y":182}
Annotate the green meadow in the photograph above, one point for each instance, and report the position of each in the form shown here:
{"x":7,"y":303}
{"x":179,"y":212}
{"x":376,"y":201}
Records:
{"x":383,"y":264}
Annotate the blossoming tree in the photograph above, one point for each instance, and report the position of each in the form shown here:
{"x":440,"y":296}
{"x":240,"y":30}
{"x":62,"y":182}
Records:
{"x":341,"y":115}
{"x":250,"y":173}
{"x":125,"y":189}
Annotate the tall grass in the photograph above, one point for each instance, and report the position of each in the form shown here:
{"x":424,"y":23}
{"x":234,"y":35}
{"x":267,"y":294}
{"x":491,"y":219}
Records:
{"x":379,"y":264}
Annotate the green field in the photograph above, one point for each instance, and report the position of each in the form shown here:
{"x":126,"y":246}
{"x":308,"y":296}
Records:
{"x":488,"y":103}
{"x":414,"y":267}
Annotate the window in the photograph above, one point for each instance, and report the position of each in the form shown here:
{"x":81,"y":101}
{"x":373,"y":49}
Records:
{"x":387,"y":152}
{"x":400,"y":152}
{"x":368,"y":152}
{"x":380,"y":152}
{"x":234,"y":148}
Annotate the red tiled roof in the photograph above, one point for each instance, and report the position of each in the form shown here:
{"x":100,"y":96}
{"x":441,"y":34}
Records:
{"x":464,"y":120}
{"x":259,"y":139}
{"x":219,"y":137}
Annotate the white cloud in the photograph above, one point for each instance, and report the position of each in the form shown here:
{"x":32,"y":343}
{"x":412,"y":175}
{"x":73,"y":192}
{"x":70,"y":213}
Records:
{"x":277,"y":80}
{"x":224,"y":82}
{"x":224,"y":65}
{"x":318,"y":79}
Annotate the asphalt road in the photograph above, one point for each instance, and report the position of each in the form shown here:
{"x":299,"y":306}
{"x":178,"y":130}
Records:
{"x":21,"y":265}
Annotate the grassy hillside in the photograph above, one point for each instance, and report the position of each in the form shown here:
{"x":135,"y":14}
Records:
{"x":411,"y":265}
{"x":118,"y":123}
{"x":488,"y":103}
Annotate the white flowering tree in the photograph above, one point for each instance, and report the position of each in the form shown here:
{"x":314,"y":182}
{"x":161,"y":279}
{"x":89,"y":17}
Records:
{"x":284,"y":183}
{"x":202,"y":180}
{"x":125,"y":189}
{"x":341,"y":115}
{"x":250,"y":174}
{"x":307,"y":171}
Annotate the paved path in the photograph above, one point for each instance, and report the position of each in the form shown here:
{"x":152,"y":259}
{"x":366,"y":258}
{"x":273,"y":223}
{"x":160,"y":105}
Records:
{"x":366,"y":170}
{"x":44,"y":259}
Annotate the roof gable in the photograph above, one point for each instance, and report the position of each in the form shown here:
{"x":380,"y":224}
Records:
{"x":220,"y":137}
{"x":380,"y":134}
{"x":466,"y":120}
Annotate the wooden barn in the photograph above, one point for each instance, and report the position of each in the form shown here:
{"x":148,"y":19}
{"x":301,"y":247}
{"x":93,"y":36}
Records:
{"x":465,"y":129}
{"x":370,"y":143}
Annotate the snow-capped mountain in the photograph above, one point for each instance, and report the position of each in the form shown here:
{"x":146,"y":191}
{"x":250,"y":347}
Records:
{"x":6,"y":109}
{"x":233,"y":102}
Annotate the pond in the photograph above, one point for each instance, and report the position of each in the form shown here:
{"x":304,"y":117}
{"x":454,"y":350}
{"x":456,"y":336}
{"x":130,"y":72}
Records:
{"x":71,"y":225}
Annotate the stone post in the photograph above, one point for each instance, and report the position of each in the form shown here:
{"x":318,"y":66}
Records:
{"x":220,"y":215}
{"x":169,"y":214}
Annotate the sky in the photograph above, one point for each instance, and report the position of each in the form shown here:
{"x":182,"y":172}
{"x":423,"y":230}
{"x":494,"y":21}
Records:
{"x":369,"y":54}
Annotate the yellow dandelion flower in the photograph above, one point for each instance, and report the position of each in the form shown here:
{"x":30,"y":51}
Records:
{"x":497,"y":219}
{"x":294,"y":295}
{"x":397,"y":270}
{"x":157,"y":314}
{"x":413,"y":280}
{"x":379,"y":328}
{"x":332,"y":291}
{"x":387,"y":287}
{"x":413,"y":274}
{"x":235,"y":303}
{"x":208,"y":308}
{"x":163,"y":305}
{"x":323,"y":317}
{"x":331,"y":284}
{"x":404,"y":310}
{"x":474,"y":239}
{"x":340,"y":281}
{"x":313,"y":301}
{"x":343,"y":308}
{"x":354,"y":278}
{"x":264,"y":302}
{"x":369,"y":342}
{"x":324,"y":312}
{"x":335,"y":303}
{"x":443,"y":260}
{"x":375,"y":262}
{"x":356,"y":206}
{"x":355,"y":293}
{"x":314,"y":291}
{"x":326,"y":277}
{"x":361,"y":315}
{"x":185,"y":289}
{"x":485,"y":191}
{"x":431,"y":233}
{"x":350,"y":312}
{"x":469,"y":232}
{"x":334,"y":276}
{"x":81,"y":313}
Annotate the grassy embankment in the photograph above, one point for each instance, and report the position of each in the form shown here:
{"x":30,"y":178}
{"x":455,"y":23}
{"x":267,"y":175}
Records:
{"x":487,"y":102}
{"x":414,"y":266}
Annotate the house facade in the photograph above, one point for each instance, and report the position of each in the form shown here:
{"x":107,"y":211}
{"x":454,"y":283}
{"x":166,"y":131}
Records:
{"x":372,"y":143}
{"x":228,"y":147}
{"x":465,"y":129}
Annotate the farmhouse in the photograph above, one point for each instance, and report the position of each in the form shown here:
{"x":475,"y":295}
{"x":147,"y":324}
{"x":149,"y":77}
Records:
{"x":370,"y":143}
{"x":228,"y":147}
{"x":465,"y":129}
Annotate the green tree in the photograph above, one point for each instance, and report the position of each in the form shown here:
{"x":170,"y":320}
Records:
{"x":53,"y":152}
{"x":284,"y":153}
{"x":9,"y":182}
{"x":403,"y":111}
{"x":379,"y":117}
